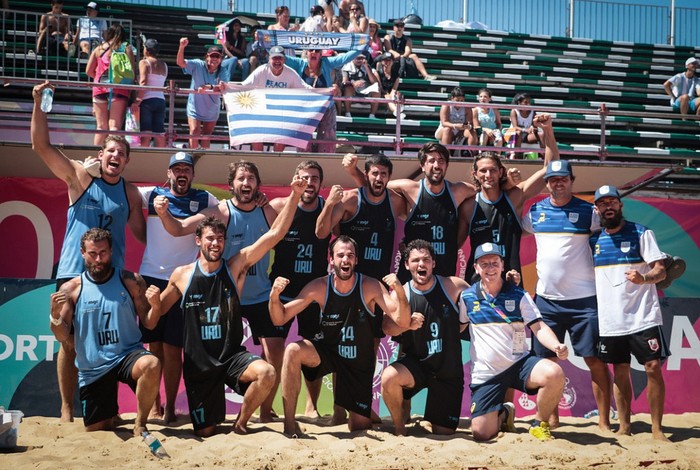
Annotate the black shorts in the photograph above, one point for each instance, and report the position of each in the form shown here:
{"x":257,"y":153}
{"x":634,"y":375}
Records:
{"x":309,"y":321}
{"x":99,"y":399}
{"x":170,"y":326}
{"x":205,"y":391}
{"x":261,"y":326}
{"x":646,"y":345}
{"x":353,"y":386}
{"x":444,"y":402}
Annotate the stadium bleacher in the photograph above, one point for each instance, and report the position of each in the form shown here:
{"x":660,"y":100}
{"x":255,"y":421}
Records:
{"x":556,"y":72}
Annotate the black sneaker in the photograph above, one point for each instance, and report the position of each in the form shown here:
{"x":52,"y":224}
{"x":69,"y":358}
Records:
{"x":675,"y":267}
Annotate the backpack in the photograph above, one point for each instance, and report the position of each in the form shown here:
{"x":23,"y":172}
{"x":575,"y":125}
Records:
{"x":120,"y":69}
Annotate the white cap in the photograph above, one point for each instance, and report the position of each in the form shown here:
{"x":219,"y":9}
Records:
{"x":691,"y":60}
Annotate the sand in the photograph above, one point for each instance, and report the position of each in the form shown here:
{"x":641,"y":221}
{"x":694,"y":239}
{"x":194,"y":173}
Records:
{"x":47,"y":443}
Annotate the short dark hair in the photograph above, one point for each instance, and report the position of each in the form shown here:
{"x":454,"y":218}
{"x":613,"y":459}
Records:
{"x":456,"y":92}
{"x":120,"y":139}
{"x":343,"y":239}
{"x":246,"y":165}
{"x":520,"y":97}
{"x":418,"y":244}
{"x":96,"y":235}
{"x":306,"y":164}
{"x":210,"y":222}
{"x":378,"y":159}
{"x":497,"y":160}
{"x":433,"y":147}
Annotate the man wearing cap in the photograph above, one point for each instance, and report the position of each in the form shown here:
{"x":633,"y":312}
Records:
{"x":406,"y":62}
{"x":203,"y":107}
{"x":163,"y":254}
{"x":90,"y":31}
{"x":683,"y":88}
{"x":566,"y":294}
{"x":628,"y":264}
{"x":498,"y":313}
{"x":107,"y":202}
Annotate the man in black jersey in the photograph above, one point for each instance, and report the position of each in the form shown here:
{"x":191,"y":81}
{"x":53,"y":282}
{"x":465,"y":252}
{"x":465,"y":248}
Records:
{"x":301,"y":257}
{"x":431,"y":347}
{"x":494,"y":214}
{"x":213,"y":329}
{"x":346,"y":342}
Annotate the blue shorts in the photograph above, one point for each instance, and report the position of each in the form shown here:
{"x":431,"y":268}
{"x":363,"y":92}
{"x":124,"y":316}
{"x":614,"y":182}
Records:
{"x":579,"y":317}
{"x":488,"y":396}
{"x":152,"y":116}
{"x":691,"y":104}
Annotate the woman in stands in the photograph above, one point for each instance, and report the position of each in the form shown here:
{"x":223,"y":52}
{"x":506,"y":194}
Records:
{"x":109,"y":104}
{"x":338,"y":25}
{"x":487,"y":121}
{"x":376,"y":44}
{"x":152,"y":72}
{"x":357,"y":22}
{"x":388,"y":80}
{"x":454,"y":123}
{"x":521,"y":129}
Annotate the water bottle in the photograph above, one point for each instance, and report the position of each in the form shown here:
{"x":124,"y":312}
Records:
{"x":154,"y":444}
{"x":47,"y":100}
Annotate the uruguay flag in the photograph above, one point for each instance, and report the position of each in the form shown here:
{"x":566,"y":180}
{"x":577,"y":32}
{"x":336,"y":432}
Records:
{"x":286,"y":116}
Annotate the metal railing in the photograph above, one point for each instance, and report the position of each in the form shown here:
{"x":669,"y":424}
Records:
{"x":20,"y":57}
{"x":398,"y":143}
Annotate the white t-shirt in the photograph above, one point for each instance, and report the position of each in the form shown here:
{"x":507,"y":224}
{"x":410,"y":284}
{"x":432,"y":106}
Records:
{"x":262,"y":77}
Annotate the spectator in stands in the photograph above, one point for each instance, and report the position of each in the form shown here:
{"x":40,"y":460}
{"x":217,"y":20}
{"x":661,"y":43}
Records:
{"x":487,"y":121}
{"x":54,"y":30}
{"x":235,"y":45}
{"x":359,"y":79}
{"x":152,"y":72}
{"x":203,"y":108}
{"x":255,"y":52}
{"x":376,"y":44}
{"x":521,"y":128}
{"x":109,"y":104}
{"x":338,"y":25}
{"x":388,"y":80}
{"x":90,"y":31}
{"x":344,"y":8}
{"x":408,"y":64}
{"x":683,"y":88}
{"x":357,"y":21}
{"x":282,"y":14}
{"x":454,"y":124}
{"x":317,"y":71}
{"x":318,"y":20}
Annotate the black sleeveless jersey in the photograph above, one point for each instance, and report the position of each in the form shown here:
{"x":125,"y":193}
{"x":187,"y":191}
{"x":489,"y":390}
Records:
{"x":494,"y":222}
{"x":434,"y":219}
{"x":398,"y":44}
{"x":301,"y":256}
{"x":349,"y":324}
{"x":437,"y":343}
{"x":213,"y":330}
{"x":372,"y":227}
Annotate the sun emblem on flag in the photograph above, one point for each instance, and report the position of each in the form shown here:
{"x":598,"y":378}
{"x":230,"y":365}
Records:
{"x":246,"y":99}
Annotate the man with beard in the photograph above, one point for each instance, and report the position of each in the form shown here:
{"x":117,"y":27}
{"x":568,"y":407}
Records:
{"x":301,"y":256}
{"x":99,"y":309}
{"x":246,"y":222}
{"x":431,"y":205}
{"x":498,"y":312}
{"x":108,"y":202}
{"x":163,"y":254}
{"x":211,"y":289}
{"x":346,"y":342}
{"x":566,"y":293}
{"x":494,"y":214}
{"x":628,"y":264}
{"x":431,"y":346}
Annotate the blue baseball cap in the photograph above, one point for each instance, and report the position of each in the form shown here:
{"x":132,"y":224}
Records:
{"x":558,"y":168}
{"x":606,"y":191}
{"x":488,"y":249}
{"x":181,"y":157}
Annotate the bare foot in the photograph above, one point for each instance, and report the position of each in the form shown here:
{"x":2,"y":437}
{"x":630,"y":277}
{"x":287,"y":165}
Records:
{"x":554,"y":423}
{"x":293,"y":431}
{"x":312,"y":414}
{"x":138,"y":430}
{"x":339,"y":418}
{"x":605,"y":427}
{"x":66,"y":414}
{"x":624,"y":431}
{"x":240,"y":429}
{"x":169,"y":417}
{"x":659,"y":436}
{"x":156,"y":415}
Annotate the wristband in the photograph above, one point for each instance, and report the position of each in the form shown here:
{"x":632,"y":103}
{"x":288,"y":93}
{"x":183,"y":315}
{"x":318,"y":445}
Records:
{"x":644,"y":278}
{"x":56,"y":321}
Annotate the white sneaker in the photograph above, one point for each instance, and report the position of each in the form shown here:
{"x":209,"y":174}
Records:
{"x":371,"y":116}
{"x":348,"y":115}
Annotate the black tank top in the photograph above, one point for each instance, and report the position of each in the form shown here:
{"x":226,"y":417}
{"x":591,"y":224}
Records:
{"x":398,"y":44}
{"x":372,"y":227}
{"x":300,"y":256}
{"x":346,"y":322}
{"x":434,"y":219}
{"x":436,"y":344}
{"x":498,"y":223}
{"x":213,"y":330}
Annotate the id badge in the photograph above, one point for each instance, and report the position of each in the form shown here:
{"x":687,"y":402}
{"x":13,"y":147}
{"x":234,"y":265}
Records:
{"x":518,"y":343}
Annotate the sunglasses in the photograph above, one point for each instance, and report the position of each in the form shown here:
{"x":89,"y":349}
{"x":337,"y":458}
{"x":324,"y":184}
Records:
{"x":354,"y":9}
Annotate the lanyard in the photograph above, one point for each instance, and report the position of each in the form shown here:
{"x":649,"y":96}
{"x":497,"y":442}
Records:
{"x":493,"y":305}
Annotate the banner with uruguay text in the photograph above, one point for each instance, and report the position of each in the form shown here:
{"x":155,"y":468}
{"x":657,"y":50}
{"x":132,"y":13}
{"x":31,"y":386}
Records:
{"x":273,"y":115}
{"x":302,"y":40}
